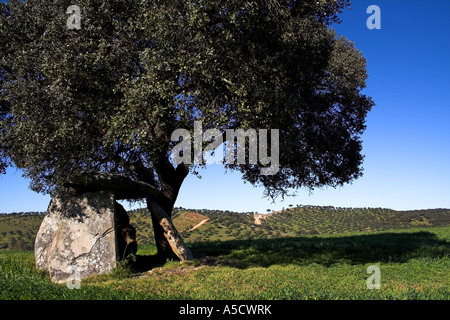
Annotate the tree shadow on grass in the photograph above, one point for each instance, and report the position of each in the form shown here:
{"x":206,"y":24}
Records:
{"x":352,"y":249}
{"x":143,"y":263}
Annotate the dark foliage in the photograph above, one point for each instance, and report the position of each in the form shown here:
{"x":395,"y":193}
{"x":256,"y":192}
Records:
{"x":108,"y":96}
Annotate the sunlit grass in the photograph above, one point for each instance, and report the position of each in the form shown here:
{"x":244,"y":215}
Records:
{"x":414,"y":264}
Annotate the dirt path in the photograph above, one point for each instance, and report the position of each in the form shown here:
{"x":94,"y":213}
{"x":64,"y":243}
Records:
{"x":198,"y":225}
{"x":261,"y":216}
{"x":257,"y":218}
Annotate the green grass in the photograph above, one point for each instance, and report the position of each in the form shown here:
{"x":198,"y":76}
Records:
{"x":414,"y":264}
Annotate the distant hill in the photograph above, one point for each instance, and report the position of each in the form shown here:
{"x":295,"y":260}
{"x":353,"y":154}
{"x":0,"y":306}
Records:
{"x":18,"y":230}
{"x":307,"y":220}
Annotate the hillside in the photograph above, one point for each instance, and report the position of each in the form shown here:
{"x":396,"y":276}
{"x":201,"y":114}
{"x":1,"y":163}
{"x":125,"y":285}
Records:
{"x":308,"y":220}
{"x":17,"y":231}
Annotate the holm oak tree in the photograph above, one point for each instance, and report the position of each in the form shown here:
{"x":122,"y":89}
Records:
{"x":106,"y":97}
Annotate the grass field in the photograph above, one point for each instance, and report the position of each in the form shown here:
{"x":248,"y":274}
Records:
{"x":414,"y":264}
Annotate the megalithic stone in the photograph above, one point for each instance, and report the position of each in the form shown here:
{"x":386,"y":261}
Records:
{"x":79,"y":235}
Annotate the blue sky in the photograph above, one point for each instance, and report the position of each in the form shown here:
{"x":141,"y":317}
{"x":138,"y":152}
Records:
{"x":407,"y":141}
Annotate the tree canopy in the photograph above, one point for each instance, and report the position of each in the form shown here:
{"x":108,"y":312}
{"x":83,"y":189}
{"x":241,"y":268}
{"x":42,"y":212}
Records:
{"x":107,"y":96}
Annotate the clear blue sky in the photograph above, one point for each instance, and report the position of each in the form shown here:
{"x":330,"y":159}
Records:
{"x":407,"y":141}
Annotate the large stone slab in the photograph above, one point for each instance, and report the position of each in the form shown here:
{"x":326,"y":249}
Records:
{"x":126,"y":233}
{"x":122,"y":186}
{"x":80,"y":236}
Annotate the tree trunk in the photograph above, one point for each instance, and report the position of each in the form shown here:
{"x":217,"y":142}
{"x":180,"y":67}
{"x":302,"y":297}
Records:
{"x":169,"y":242}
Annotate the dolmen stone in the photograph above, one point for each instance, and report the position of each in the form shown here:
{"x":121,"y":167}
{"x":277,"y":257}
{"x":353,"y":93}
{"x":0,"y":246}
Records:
{"x":83,"y":235}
